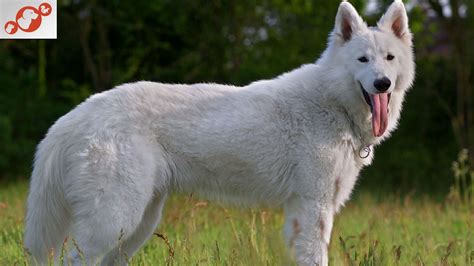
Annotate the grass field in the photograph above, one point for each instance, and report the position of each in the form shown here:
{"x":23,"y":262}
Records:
{"x":369,"y":231}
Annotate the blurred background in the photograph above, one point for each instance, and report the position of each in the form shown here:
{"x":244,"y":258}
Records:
{"x":104,"y":43}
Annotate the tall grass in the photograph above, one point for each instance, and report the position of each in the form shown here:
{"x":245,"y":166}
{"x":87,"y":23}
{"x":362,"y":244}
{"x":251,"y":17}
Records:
{"x":462,"y":191}
{"x":371,"y":230}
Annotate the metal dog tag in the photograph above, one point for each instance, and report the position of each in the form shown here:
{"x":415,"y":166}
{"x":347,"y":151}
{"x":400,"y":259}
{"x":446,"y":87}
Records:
{"x":365,"y":152}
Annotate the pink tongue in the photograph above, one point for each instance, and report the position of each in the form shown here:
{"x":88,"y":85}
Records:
{"x":379,"y":113}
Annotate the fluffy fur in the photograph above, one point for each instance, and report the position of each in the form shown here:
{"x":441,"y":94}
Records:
{"x":105,"y":168}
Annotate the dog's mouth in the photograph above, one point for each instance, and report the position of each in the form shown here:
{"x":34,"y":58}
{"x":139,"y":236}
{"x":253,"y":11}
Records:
{"x":378,"y":104}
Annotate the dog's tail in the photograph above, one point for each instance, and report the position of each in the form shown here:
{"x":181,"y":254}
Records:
{"x":47,"y":217}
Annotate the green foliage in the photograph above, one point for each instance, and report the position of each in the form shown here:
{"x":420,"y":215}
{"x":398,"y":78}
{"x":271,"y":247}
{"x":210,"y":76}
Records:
{"x":462,"y":191}
{"x":5,"y":137}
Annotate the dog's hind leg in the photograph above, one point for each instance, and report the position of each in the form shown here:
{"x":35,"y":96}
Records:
{"x":103,"y":222}
{"x":125,"y":250}
{"x":110,"y":192}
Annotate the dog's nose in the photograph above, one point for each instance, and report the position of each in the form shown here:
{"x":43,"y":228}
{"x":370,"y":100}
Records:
{"x":382,"y":84}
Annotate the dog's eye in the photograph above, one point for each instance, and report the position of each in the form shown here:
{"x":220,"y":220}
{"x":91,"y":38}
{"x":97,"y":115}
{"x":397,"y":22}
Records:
{"x":363,"y":59}
{"x":390,"y":57}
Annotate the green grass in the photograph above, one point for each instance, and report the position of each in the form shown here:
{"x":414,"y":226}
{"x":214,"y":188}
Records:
{"x":369,"y":231}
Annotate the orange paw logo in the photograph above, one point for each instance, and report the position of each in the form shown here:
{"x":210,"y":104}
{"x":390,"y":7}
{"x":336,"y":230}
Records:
{"x":28,"y":19}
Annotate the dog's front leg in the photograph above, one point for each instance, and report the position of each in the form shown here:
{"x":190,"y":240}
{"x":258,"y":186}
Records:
{"x":308,"y":228}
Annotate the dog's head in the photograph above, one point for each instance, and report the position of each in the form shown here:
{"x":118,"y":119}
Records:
{"x":380,"y":59}
{"x":29,"y":14}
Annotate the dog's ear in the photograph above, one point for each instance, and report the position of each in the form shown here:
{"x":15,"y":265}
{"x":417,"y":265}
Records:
{"x":348,"y":21}
{"x":396,"y":20}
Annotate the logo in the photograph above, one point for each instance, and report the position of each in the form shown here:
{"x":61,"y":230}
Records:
{"x":28,"y":19}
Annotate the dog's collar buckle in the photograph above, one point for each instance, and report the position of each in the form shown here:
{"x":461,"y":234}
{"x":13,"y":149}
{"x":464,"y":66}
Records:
{"x":364,"y":152}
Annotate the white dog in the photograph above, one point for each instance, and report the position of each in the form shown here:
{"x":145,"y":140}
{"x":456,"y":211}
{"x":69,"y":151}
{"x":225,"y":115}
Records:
{"x":299,"y":141}
{"x":25,"y":20}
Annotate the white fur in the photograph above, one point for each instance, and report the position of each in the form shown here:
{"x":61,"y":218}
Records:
{"x":105,"y":168}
